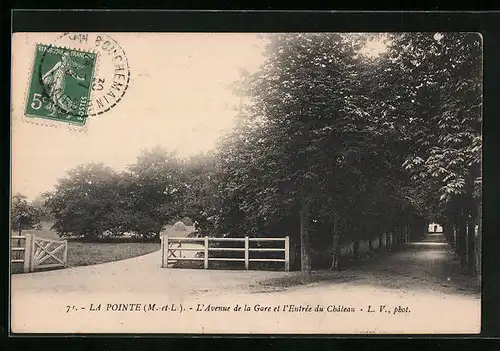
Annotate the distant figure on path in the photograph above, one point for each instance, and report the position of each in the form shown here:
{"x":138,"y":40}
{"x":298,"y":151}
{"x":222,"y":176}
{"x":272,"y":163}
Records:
{"x":435,"y":229}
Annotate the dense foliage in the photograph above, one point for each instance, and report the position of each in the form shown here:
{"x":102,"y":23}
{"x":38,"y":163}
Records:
{"x":333,"y":146}
{"x":23,"y":214}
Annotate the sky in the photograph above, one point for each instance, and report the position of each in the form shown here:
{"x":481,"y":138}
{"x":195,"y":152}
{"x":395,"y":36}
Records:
{"x":373,"y":48}
{"x":178,"y":98}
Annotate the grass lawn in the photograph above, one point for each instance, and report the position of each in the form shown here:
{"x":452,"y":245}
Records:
{"x":89,"y":253}
{"x":85,"y":254}
{"x":45,"y":232}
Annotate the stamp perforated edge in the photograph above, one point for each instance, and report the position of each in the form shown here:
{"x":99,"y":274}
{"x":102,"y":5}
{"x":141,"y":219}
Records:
{"x":46,"y":122}
{"x":56,"y":123}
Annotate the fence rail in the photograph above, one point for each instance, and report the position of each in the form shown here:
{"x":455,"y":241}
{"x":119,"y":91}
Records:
{"x":172,"y":249}
{"x":19,"y":252}
{"x":38,"y":253}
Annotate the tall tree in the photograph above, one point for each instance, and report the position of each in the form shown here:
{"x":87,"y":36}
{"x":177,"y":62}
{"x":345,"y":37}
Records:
{"x":200,"y":198}
{"x":305,"y":118}
{"x":156,"y":189}
{"x":84,"y":202}
{"x":40,"y":204}
{"x":23,"y":215}
{"x":444,"y":121}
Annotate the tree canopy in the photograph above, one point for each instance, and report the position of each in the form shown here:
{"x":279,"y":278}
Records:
{"x":333,"y":146}
{"x":23,"y":214}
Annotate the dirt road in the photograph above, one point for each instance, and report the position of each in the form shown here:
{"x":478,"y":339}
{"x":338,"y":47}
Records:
{"x":415,"y":290}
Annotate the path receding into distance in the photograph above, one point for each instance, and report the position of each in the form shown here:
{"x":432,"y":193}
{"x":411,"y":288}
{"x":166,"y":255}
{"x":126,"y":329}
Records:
{"x":421,"y":281}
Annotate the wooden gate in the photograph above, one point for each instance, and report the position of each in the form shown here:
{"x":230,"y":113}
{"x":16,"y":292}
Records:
{"x":48,"y":253}
{"x":38,"y":253}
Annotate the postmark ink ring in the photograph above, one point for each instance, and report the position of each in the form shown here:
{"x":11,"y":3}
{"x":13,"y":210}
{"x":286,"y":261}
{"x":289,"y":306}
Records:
{"x":79,"y":76}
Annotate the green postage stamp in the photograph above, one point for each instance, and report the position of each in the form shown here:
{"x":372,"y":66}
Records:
{"x":60,"y":84}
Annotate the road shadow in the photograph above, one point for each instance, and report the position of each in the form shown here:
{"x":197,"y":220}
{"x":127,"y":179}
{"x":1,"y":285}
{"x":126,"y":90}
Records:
{"x":426,"y":265}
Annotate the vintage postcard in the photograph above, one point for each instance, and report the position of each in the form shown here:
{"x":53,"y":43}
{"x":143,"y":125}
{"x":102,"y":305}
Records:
{"x":246,"y":183}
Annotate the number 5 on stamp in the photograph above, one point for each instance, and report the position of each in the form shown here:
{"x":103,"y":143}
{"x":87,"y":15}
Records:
{"x":60,"y":84}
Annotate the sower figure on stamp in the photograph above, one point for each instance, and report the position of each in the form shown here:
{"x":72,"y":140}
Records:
{"x":54,"y":81}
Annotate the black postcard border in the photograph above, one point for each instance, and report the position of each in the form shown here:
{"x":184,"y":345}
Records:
{"x":487,"y":23}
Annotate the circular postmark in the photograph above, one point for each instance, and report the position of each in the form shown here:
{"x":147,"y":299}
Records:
{"x":106,"y":78}
{"x":112,"y":74}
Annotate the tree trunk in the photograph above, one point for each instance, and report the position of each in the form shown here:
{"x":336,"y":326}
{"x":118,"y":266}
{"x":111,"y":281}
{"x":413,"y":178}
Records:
{"x":447,"y":234}
{"x":337,"y":251}
{"x":355,"y":248}
{"x":305,"y":250}
{"x":470,"y":218}
{"x":293,"y":255}
{"x":456,"y":240}
{"x":471,"y":254}
{"x":454,"y":237}
{"x":370,"y":246}
{"x":462,"y":241}
{"x":380,"y":241}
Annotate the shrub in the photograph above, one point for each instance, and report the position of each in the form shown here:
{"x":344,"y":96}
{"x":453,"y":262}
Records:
{"x":188,"y":221}
{"x":194,"y":234}
{"x":180,"y":226}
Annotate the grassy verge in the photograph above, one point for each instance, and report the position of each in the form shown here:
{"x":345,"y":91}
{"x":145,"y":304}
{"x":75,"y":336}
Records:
{"x":81,"y":253}
{"x":85,"y":254}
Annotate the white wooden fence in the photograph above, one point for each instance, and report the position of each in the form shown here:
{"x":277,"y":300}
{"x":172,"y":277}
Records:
{"x":174,"y":249}
{"x":38,"y":253}
{"x":19,"y":254}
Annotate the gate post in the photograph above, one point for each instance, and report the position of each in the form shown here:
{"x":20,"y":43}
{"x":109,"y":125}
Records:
{"x":65,"y":256}
{"x":287,"y":253}
{"x":205,"y":265}
{"x":31,"y":250}
{"x":247,"y":253}
{"x":165,"y":251}
{"x":162,"y":249}
{"x":27,"y":253}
